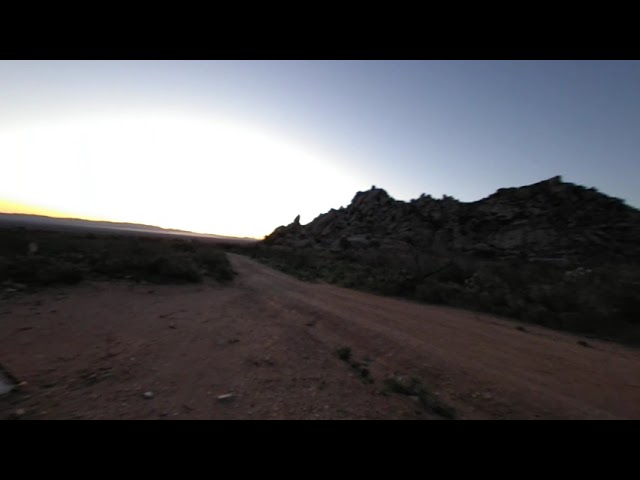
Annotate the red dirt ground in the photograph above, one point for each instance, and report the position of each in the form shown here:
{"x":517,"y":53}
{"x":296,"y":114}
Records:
{"x":93,"y":350}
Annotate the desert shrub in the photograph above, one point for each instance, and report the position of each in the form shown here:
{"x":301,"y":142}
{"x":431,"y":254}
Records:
{"x":363,"y":371}
{"x":162,"y":269}
{"x":432,"y":291}
{"x":14,"y":243}
{"x":344,"y":353}
{"x":395,"y":385}
{"x":183,"y":246}
{"x":67,"y":257}
{"x":40,"y":270}
{"x":217,"y":264}
{"x":427,"y":399}
{"x":60,"y":272}
{"x":25,"y":269}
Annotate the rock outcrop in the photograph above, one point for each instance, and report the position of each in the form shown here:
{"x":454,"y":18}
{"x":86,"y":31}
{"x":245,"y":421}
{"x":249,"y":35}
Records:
{"x":547,"y":221}
{"x":553,"y":253}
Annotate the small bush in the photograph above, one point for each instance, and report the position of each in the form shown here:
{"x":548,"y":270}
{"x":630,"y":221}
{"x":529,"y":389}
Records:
{"x":217,"y":265}
{"x":395,"y":385}
{"x":362,"y":370}
{"x":344,"y":353}
{"x":365,"y":374}
{"x":163,"y":268}
{"x":39,"y":270}
{"x":427,"y":399}
{"x":183,"y":246}
{"x":61,"y":272}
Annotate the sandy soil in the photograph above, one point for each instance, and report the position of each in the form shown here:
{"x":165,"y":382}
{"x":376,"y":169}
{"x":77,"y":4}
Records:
{"x":94,"y":350}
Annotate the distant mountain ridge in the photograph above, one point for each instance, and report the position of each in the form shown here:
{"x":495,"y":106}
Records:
{"x":43,"y":221}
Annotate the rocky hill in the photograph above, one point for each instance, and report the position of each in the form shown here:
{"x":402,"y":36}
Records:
{"x":535,"y":252}
{"x":547,"y":221}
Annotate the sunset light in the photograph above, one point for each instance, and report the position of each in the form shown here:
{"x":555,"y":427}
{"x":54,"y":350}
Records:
{"x":192,"y":173}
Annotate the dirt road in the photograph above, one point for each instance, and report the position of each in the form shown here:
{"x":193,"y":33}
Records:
{"x":94,"y":351}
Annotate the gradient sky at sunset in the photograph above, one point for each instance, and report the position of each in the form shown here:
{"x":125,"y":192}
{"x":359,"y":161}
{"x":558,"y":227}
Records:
{"x":240,"y":147}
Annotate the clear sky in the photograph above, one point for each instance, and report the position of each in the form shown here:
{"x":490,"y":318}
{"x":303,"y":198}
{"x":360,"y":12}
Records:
{"x":241,"y":147}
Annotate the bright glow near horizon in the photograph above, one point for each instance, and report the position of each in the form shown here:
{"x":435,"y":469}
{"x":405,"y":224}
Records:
{"x":186,"y":172}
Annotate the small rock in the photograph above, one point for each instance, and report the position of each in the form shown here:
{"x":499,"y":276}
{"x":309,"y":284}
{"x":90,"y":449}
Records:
{"x":20,"y":412}
{"x":172,"y":326}
{"x":226,"y":397}
{"x":487,"y":396}
{"x":148,"y":395}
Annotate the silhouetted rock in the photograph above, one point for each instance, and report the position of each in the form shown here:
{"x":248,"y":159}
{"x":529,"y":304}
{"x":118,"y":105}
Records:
{"x":549,"y":219}
{"x":552,"y":252}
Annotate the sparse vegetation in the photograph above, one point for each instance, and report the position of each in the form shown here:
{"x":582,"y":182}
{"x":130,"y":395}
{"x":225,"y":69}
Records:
{"x":39,"y":270}
{"x":427,"y":399}
{"x":551,"y":253}
{"x":588,"y":298}
{"x":69,"y":257}
{"x":345,"y":354}
{"x":363,"y":371}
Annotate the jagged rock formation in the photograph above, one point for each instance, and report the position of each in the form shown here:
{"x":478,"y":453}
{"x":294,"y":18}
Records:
{"x":553,"y":252}
{"x":547,"y":221}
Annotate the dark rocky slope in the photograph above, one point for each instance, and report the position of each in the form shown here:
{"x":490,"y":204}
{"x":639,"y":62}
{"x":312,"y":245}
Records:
{"x":545,"y":221}
{"x":553,"y":253}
